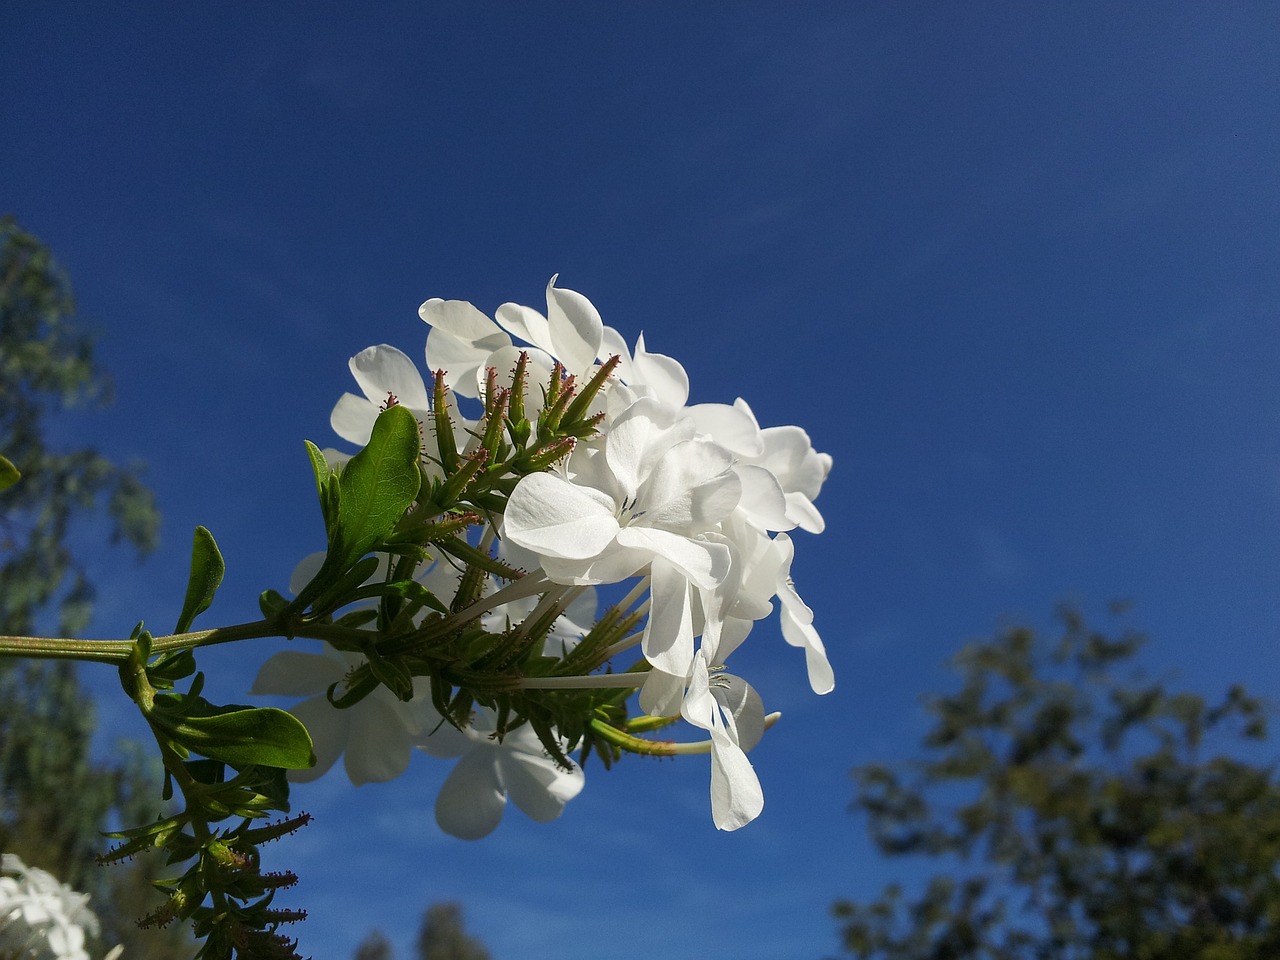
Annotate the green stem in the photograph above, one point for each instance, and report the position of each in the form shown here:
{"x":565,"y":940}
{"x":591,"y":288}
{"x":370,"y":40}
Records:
{"x":118,"y":651}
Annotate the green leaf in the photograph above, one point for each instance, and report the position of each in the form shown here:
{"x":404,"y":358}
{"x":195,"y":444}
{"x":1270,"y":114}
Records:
{"x":377,"y":485}
{"x":246,"y":735}
{"x":8,"y":474}
{"x":207,"y":568}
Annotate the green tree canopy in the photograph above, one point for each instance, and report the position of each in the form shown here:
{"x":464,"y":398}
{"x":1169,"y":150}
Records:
{"x":1088,"y":814}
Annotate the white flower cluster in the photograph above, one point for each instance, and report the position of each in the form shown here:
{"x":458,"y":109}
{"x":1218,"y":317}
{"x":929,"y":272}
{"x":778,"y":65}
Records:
{"x":688,"y":503}
{"x":40,"y":918}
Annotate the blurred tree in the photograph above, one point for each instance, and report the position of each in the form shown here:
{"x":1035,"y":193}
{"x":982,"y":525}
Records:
{"x":1103,"y":825}
{"x":374,"y":947}
{"x":46,"y":363}
{"x":442,"y":938}
{"x":54,"y":800}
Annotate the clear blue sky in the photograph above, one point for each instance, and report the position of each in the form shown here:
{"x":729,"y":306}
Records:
{"x":1013,"y":265}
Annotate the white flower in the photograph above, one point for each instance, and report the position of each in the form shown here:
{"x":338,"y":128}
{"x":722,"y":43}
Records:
{"x":465,"y":343}
{"x":39,"y":917}
{"x":472,"y":800}
{"x":642,"y":503}
{"x":374,"y":737}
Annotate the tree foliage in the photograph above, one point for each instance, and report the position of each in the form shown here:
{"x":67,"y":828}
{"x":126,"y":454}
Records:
{"x":1089,"y":814}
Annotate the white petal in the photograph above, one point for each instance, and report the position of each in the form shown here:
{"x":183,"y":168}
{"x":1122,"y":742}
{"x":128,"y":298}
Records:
{"x":612,"y":345}
{"x":821,"y":677}
{"x":575,"y":327}
{"x":789,"y":454}
{"x":743,"y":709}
{"x":527,"y":324}
{"x":733,"y":427}
{"x":472,"y":799}
{"x":791,"y":602}
{"x":537,"y":785}
{"x":704,"y":564}
{"x":668,"y":633}
{"x":553,"y":517}
{"x":613,"y":566}
{"x":763,"y":502}
{"x":691,"y":489}
{"x":328,"y":728}
{"x":639,"y":438}
{"x":661,"y":694}
{"x":293,"y":673}
{"x":352,"y":418}
{"x":383,"y":369}
{"x":462,"y":321}
{"x":802,"y":512}
{"x":378,"y":745}
{"x":664,"y":377}
{"x":736,"y":797}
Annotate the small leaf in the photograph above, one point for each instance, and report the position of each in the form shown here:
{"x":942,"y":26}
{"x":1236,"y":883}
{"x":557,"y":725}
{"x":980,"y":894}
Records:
{"x":207,"y":568}
{"x":9,"y":474}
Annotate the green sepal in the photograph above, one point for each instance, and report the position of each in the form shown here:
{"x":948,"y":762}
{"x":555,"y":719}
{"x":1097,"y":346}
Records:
{"x":169,"y":668}
{"x":356,"y":619}
{"x":392,"y":674}
{"x":410,"y":590}
{"x":474,"y":557}
{"x":9,"y":474}
{"x":360,"y":684}
{"x":207,"y":568}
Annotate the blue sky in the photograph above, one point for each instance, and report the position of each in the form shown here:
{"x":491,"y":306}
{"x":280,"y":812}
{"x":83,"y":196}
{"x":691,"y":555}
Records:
{"x":1013,"y":266}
